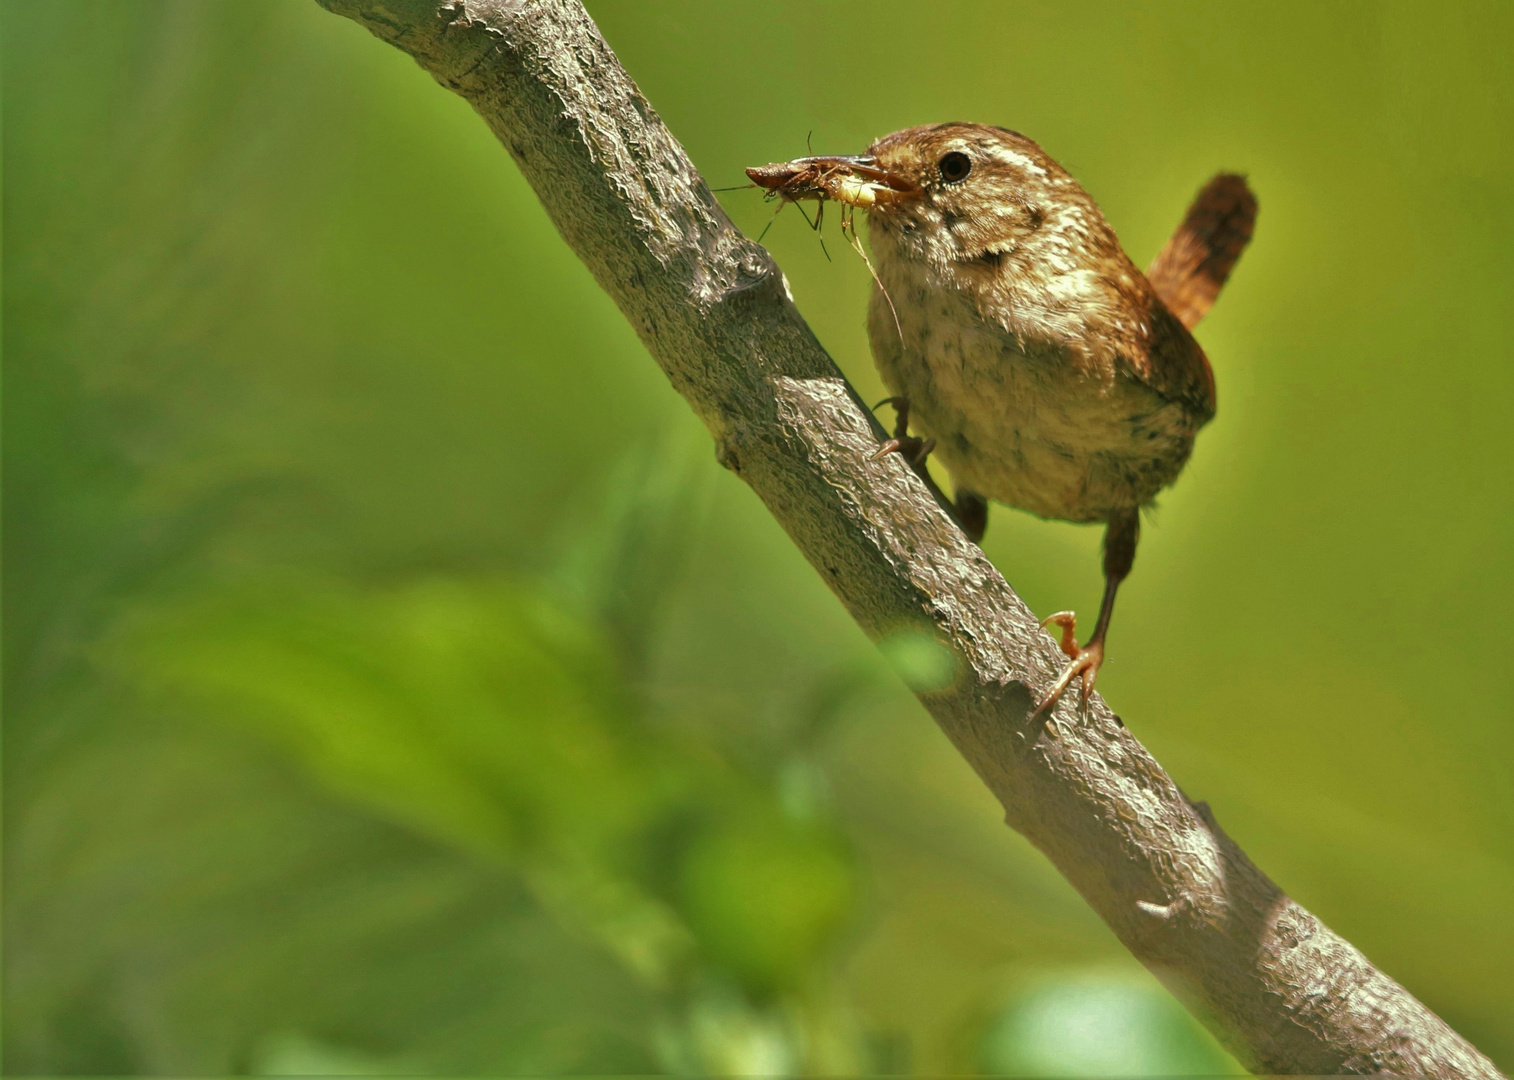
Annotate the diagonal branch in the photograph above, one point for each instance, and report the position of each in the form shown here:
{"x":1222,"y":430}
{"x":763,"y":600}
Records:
{"x":1281,"y":990}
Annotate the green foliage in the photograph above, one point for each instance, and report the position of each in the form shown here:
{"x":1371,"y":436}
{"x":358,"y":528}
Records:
{"x":1096,"y":1025}
{"x":765,"y":898}
{"x":394,"y":683}
{"x":920,"y":660}
{"x":477,"y":715}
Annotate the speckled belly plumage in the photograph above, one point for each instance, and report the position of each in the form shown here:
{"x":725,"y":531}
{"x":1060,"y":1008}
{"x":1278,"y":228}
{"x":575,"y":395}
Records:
{"x":1018,"y":421}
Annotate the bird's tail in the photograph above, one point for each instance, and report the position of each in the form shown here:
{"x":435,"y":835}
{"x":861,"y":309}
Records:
{"x":1187,"y":275}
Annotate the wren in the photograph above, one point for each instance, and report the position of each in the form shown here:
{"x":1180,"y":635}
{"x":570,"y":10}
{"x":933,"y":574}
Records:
{"x":1041,"y":367}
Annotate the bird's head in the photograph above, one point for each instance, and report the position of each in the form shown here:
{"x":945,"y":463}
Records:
{"x":986,"y":196}
{"x":963,"y":197}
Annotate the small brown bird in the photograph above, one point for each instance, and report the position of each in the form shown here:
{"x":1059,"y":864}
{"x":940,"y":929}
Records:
{"x":1044,"y":370}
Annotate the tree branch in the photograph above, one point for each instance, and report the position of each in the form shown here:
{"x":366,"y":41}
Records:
{"x":1281,"y":990}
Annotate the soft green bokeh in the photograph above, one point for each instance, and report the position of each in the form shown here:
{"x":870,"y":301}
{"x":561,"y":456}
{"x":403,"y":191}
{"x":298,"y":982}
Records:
{"x":394,"y":683}
{"x":1096,"y":1025}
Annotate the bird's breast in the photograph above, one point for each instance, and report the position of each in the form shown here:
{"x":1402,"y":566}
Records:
{"x":1024,"y":418}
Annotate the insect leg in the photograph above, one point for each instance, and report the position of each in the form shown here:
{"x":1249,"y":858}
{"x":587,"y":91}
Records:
{"x":781,"y":204}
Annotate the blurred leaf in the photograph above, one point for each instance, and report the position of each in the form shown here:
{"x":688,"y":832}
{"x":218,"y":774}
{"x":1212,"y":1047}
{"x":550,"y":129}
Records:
{"x":924,"y":663}
{"x":473,"y":714}
{"x":725,"y":1036}
{"x":1099,"y":1025}
{"x":625,"y":552}
{"x":176,"y":897}
{"x":296,"y":1055}
{"x":479,"y":716}
{"x":765,"y":894}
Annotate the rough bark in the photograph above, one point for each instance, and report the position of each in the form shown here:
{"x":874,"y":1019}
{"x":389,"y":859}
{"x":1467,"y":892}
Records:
{"x":1278,"y":987}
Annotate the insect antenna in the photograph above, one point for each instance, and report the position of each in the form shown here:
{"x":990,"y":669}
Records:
{"x":734,"y":187}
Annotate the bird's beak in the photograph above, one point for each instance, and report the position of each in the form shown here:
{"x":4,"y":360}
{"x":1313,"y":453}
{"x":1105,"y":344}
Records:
{"x":855,"y":181}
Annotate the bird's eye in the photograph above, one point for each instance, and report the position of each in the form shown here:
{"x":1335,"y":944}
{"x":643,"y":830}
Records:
{"x":955,"y":167}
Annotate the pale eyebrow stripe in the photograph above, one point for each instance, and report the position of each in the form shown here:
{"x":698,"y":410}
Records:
{"x":1010,"y":157}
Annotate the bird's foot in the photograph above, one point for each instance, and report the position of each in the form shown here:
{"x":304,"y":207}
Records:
{"x":914,"y":448}
{"x":970,"y":510}
{"x":1084,"y":661}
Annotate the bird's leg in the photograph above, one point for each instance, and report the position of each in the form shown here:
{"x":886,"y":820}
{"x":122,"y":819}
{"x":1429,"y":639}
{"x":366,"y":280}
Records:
{"x":972,"y":513}
{"x":1120,"y":538}
{"x":970,"y":510}
{"x":914,"y":449}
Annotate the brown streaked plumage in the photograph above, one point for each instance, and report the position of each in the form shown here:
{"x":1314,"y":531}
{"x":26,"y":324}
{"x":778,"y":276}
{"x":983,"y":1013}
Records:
{"x":1043,"y":368}
{"x":1197,"y":260}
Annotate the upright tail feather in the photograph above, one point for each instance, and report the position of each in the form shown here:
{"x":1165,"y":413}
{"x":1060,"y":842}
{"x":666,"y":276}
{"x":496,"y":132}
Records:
{"x":1187,"y":275}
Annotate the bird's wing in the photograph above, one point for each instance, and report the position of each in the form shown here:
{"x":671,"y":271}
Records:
{"x":1185,"y":279}
{"x":1166,"y":358}
{"x":1188,"y":273}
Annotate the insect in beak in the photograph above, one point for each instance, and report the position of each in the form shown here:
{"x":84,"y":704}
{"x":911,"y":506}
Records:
{"x":853,"y":181}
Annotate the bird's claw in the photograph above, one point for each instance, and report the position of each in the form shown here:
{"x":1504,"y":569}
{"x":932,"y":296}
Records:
{"x":915,"y":450}
{"x":1084,"y":662}
{"x":1068,"y":621}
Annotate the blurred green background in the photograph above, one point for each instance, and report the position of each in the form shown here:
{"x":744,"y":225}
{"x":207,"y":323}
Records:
{"x":394,"y":683}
